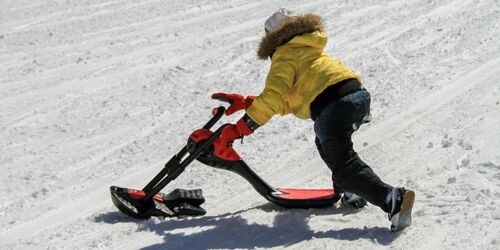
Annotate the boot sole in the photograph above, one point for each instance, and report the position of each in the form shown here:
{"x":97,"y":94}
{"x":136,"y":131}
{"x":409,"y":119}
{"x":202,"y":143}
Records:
{"x":405,"y":212}
{"x":408,"y":201}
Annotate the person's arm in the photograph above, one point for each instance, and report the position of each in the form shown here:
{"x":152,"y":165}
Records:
{"x":273,"y":99}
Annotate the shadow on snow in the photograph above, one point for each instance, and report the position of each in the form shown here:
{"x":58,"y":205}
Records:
{"x":231,"y":230}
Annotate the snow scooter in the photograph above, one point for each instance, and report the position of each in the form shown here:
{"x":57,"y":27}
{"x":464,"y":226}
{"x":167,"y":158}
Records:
{"x":149,"y":201}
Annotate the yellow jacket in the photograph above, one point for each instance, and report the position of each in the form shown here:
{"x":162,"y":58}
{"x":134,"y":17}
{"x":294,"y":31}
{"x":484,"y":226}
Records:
{"x":300,"y":70}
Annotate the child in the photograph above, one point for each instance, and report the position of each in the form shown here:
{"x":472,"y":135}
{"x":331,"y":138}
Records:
{"x":303,"y":80}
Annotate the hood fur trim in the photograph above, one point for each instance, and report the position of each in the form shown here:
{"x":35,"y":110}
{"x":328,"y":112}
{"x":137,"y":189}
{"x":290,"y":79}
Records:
{"x":299,"y":25}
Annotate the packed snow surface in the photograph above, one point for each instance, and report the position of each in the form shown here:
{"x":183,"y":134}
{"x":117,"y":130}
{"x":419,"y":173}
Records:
{"x":98,"y":93}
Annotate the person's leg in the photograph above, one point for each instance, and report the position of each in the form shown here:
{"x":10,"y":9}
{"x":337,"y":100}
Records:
{"x":355,"y":176}
{"x":333,"y":129}
{"x":350,"y":173}
{"x":338,"y":191}
{"x":323,"y":157}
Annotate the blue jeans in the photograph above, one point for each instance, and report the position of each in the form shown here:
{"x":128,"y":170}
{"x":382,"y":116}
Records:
{"x":333,"y":128}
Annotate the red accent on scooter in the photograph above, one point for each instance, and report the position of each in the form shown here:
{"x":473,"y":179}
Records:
{"x":139,"y":194}
{"x":215,"y":111}
{"x":306,"y":194}
{"x":200,"y":134}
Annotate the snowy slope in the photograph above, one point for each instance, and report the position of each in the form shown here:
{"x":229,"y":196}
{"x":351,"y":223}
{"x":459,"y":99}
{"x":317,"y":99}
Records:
{"x":99,"y":93}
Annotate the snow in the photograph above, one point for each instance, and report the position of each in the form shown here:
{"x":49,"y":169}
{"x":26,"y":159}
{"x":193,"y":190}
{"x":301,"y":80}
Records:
{"x":100,"y":93}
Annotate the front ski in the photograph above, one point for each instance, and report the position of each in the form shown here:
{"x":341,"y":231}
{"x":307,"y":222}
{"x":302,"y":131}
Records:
{"x":179,"y":202}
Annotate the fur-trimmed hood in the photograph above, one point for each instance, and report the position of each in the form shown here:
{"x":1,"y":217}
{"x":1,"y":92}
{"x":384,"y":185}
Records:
{"x":299,"y":25}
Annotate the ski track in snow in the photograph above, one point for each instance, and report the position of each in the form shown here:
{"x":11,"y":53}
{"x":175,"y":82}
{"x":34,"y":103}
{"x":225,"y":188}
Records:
{"x":96,"y":93}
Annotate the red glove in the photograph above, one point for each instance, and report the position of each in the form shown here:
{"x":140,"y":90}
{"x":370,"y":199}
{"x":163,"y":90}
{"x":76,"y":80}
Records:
{"x":223,"y":146}
{"x":237,"y":101}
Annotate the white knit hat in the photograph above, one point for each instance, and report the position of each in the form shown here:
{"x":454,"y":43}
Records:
{"x":278,"y":19}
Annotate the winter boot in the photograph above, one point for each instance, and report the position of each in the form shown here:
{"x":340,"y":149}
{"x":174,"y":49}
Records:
{"x":400,"y":203}
{"x":353,"y":200}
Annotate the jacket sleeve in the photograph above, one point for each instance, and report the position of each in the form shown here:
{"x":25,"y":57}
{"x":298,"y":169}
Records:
{"x":279,"y":82}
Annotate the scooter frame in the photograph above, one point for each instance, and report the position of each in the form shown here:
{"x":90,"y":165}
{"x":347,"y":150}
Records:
{"x":285,"y":197}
